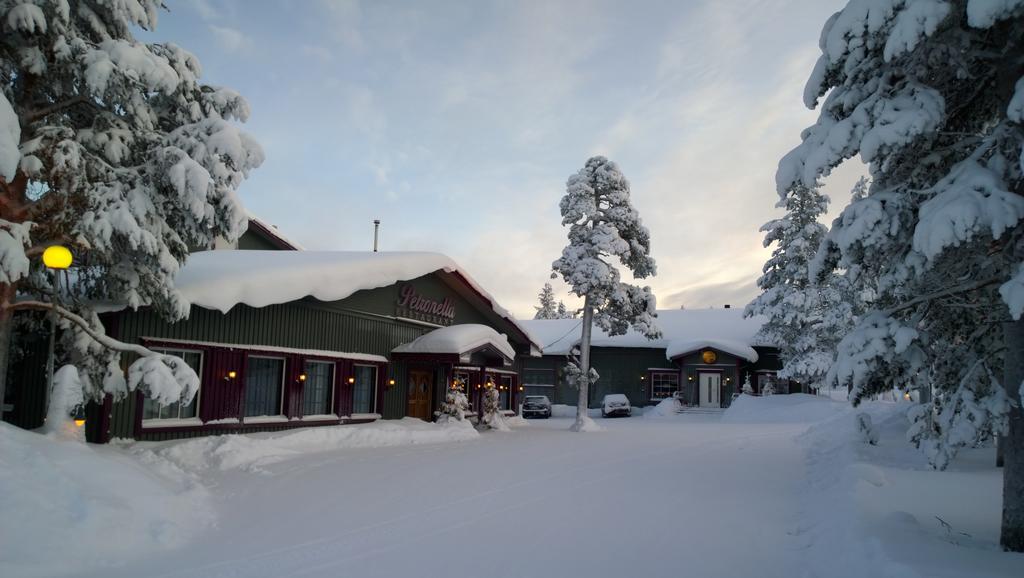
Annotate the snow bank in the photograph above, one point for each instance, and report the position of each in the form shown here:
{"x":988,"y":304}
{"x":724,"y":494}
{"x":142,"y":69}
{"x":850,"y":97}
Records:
{"x":668,"y":407}
{"x":792,"y":408}
{"x":558,"y":336}
{"x":457,"y":340}
{"x":253,"y":451}
{"x":880,"y":510}
{"x":88,"y":505}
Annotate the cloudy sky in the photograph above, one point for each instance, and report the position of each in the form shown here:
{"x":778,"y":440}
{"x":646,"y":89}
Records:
{"x":458,"y":123}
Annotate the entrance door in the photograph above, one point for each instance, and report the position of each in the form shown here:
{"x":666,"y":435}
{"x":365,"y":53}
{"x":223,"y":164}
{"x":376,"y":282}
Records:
{"x":710,"y":386}
{"x":418,"y":404}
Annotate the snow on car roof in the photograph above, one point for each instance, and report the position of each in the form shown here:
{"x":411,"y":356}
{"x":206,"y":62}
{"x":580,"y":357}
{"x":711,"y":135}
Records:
{"x":222,"y":279}
{"x":723,"y":326}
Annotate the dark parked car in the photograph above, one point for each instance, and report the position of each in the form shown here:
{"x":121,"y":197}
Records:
{"x":615,"y":404}
{"x":537,"y":406}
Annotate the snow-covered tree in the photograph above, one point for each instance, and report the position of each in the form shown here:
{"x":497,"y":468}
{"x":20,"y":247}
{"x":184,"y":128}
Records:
{"x":769,"y":387}
{"x":113,"y":148}
{"x":492,"y":417}
{"x":604,"y":227}
{"x":65,"y":399}
{"x":456,"y":404}
{"x":747,"y":387}
{"x":791,"y":302}
{"x":930,"y":94}
{"x":547,"y":308}
{"x":564,"y":313}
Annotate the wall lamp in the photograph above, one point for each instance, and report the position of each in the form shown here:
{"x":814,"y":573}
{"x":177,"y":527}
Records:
{"x":230,"y":375}
{"x":302,"y":377}
{"x":351,"y":380}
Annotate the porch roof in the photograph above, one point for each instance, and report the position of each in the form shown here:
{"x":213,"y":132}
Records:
{"x":461,"y":340}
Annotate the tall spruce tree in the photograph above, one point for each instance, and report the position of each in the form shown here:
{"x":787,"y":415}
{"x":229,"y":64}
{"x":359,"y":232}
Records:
{"x":115,"y":149}
{"x":930,"y":94}
{"x":547,"y":308}
{"x":790,"y":301}
{"x":604,"y":227}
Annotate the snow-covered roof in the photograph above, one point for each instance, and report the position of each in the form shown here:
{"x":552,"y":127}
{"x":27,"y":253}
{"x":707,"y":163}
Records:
{"x":678,"y":347}
{"x":682,"y":326}
{"x":273,"y":349}
{"x":458,"y":340}
{"x":222,"y":279}
{"x":273,"y":231}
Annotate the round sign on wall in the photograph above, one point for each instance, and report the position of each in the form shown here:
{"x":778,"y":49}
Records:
{"x":709,"y":357}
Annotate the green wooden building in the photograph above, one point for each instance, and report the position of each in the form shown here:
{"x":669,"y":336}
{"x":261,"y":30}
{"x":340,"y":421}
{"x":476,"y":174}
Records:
{"x":284,"y":338}
{"x":703,"y":358}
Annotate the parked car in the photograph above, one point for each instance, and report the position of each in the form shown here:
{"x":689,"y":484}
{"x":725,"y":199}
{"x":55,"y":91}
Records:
{"x":537,"y":406}
{"x":615,"y":404}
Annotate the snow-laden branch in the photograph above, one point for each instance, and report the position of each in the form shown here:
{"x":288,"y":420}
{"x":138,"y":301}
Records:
{"x":101,"y":338}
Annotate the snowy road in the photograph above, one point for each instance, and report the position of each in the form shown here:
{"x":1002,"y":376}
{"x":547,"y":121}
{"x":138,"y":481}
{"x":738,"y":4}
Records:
{"x":690,"y":496}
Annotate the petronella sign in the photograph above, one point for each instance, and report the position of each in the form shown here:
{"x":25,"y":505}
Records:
{"x":412,"y":304}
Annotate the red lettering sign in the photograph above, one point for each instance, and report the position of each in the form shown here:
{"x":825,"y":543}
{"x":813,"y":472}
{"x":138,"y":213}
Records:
{"x":410,"y":300}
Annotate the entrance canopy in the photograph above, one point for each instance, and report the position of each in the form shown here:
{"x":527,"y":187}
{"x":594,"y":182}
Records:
{"x":469,"y":343}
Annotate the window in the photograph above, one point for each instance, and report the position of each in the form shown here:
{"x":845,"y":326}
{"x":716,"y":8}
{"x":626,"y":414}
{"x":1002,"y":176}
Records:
{"x":505,"y":395}
{"x":364,"y":388}
{"x":539,"y":377}
{"x":664,"y":384}
{"x":152,"y":410}
{"x":316,"y":391}
{"x":763,"y":379}
{"x":263,"y":380}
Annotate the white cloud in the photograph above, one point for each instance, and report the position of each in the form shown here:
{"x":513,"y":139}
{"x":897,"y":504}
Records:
{"x":230,"y":39}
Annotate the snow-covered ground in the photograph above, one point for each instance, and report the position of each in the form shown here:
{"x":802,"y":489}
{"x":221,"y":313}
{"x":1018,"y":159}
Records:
{"x":773,"y":487}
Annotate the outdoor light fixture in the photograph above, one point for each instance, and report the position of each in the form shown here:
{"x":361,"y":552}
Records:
{"x":520,"y":388}
{"x":231,"y":375}
{"x":351,"y":380}
{"x":391,"y":382}
{"x":689,"y":378}
{"x":302,"y":377}
{"x":643,"y":377}
{"x":57,"y":257}
{"x":79,"y":422}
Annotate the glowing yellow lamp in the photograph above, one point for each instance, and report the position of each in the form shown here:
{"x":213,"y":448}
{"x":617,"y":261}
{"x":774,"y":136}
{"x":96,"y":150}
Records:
{"x":709,"y":357}
{"x":79,"y":422}
{"x":302,"y":377}
{"x":391,"y":382}
{"x":57,"y":257}
{"x":232,"y":374}
{"x":351,"y":380}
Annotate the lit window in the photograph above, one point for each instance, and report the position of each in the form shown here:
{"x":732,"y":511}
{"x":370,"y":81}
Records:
{"x":664,"y":384}
{"x":152,"y":410}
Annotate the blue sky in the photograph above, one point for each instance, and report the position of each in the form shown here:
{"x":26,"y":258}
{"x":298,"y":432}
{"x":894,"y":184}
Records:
{"x":458,"y":123}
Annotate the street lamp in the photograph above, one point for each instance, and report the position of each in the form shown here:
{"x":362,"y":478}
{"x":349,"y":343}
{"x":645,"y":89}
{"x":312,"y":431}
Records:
{"x":57,"y":259}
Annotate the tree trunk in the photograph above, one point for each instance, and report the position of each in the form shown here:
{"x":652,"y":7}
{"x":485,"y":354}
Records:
{"x":999,"y":451}
{"x":1012,"y":533}
{"x":583,"y":402}
{"x":6,"y":327}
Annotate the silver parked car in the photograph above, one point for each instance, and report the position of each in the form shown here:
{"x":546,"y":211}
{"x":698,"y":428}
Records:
{"x":615,"y":404}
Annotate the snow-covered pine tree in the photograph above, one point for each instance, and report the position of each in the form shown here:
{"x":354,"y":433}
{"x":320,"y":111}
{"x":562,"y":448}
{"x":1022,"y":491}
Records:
{"x":564,"y":313}
{"x":930,"y":94}
{"x":790,"y":301}
{"x":492,"y":416}
{"x":547,"y":308}
{"x":113,"y":148}
{"x":769,"y":387}
{"x":747,"y":387}
{"x":456,"y":404}
{"x":604,"y":226}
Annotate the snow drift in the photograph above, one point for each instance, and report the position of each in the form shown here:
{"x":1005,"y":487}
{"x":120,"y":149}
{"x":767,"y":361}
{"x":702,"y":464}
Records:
{"x":252,"y":452}
{"x":792,"y":408}
{"x":90,"y":505}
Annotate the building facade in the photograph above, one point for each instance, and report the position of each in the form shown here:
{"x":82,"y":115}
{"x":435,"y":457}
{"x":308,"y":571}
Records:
{"x":282,"y":338}
{"x":703,"y":358}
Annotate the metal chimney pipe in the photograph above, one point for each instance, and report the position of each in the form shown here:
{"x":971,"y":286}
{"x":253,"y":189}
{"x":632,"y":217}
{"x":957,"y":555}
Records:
{"x":376,"y":228}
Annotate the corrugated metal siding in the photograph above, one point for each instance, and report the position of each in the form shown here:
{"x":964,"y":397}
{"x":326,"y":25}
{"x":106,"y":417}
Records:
{"x":26,"y":380}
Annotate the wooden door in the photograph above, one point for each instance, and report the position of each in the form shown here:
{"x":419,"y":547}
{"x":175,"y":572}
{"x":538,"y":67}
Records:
{"x":418,"y":404}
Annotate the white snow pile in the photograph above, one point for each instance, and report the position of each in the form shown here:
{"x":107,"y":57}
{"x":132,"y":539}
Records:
{"x":458,"y":339}
{"x":89,"y":505}
{"x":792,"y":408}
{"x":702,"y":326}
{"x":668,"y":407}
{"x":879,"y":510}
{"x":251,"y":452}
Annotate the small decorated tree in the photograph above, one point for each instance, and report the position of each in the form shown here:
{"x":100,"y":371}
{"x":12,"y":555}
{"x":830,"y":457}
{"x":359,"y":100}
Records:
{"x":769,"y":388}
{"x":492,"y":417}
{"x":456,"y":404}
{"x":747,"y":388}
